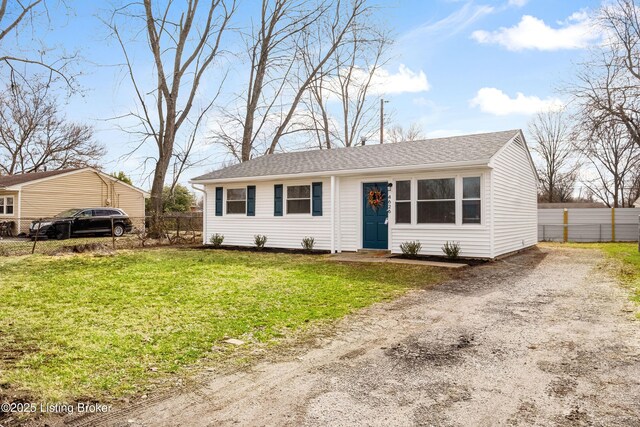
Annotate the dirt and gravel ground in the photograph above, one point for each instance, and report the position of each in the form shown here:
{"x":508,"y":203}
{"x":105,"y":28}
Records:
{"x":542,"y":338}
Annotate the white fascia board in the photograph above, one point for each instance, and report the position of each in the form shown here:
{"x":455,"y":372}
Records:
{"x":368,"y":171}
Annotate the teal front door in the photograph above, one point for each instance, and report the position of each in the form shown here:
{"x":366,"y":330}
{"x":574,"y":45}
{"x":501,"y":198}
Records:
{"x":375,"y":230}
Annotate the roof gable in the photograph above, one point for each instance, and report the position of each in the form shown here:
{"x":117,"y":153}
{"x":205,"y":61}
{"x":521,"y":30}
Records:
{"x":477,"y":148}
{"x":15,"y":182}
{"x":23,"y":178}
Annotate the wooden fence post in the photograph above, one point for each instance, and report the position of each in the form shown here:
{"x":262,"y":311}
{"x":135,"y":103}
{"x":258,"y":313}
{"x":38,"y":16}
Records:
{"x":613,"y":224}
{"x":565,"y":220}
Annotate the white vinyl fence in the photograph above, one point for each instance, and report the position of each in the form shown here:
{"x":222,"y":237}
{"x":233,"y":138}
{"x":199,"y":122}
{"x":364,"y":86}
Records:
{"x":588,"y":225}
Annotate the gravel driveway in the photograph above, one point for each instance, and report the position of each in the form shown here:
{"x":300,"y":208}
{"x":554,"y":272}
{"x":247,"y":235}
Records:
{"x":541,"y":338}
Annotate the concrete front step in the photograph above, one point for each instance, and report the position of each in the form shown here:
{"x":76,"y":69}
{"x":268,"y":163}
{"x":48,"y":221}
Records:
{"x":374,"y":252}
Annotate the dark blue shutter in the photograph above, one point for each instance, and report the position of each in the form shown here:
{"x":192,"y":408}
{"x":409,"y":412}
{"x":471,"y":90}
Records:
{"x":316,"y":199}
{"x":218,"y":201}
{"x":277,"y":200}
{"x":251,"y":200}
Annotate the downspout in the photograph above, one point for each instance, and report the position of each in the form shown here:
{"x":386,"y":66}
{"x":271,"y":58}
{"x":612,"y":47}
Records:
{"x":333,"y":214}
{"x":338,"y":219}
{"x":107,"y":184}
{"x":19,"y":210}
{"x":204,"y":212}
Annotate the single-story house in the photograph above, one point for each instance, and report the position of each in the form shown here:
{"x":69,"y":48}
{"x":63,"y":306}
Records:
{"x":478,"y":190}
{"x":29,"y":196}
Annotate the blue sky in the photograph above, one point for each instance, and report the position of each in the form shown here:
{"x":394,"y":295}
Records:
{"x":457,"y":67}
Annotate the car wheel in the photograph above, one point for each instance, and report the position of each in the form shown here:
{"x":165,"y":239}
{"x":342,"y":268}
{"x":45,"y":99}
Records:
{"x":118,"y":230}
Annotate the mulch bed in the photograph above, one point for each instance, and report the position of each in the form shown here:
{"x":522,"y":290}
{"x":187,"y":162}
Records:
{"x":469,"y":261}
{"x":264,"y":250}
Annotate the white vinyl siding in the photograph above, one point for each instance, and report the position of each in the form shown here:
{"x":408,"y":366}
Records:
{"x":282,"y":231}
{"x":515,"y":211}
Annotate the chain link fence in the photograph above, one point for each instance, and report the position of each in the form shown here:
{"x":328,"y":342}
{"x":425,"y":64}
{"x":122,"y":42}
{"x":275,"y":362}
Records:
{"x":588,"y":225}
{"x":587,"y":232}
{"x":52,"y":236}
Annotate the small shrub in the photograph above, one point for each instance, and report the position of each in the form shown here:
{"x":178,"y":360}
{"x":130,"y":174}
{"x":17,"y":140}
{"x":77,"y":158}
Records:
{"x":308,"y":243}
{"x":411,"y":248}
{"x":451,"y":249}
{"x":216,"y":240}
{"x":259,"y":240}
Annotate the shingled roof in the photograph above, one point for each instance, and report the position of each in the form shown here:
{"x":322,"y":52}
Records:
{"x":458,"y":149}
{"x":9,"y":180}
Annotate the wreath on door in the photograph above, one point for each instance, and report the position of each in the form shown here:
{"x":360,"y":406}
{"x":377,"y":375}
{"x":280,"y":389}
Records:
{"x":375,"y":198}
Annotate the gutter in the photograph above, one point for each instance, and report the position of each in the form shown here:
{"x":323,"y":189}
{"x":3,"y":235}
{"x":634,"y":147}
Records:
{"x":346,"y":172}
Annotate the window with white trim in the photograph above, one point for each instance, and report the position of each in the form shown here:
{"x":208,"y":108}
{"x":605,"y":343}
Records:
{"x":403,"y":202}
{"x":6,"y":205}
{"x":437,"y":201}
{"x":298,"y":199}
{"x":236,"y":201}
{"x":471,"y":200}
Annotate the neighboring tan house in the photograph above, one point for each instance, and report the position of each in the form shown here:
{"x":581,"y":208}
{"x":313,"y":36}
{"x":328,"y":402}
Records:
{"x":29,"y":196}
{"x":478,"y":190}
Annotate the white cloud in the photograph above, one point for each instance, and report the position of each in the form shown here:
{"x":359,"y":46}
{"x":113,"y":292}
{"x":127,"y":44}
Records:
{"x":384,"y":82}
{"x":494,"y":101}
{"x":518,"y":3}
{"x":576,"y":32}
{"x":449,"y":25}
{"x":403,"y":81}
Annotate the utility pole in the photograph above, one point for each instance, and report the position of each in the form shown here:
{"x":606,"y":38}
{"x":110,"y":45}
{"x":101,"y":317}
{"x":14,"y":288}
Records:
{"x":382,"y":102}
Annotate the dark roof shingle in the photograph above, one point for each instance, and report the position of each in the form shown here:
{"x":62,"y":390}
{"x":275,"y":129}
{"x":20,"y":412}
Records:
{"x":9,"y":180}
{"x":465,"y":148}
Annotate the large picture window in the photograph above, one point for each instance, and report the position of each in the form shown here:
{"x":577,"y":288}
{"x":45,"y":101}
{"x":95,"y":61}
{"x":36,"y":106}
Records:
{"x":299,"y":199}
{"x":6,"y":205}
{"x":437,"y":201}
{"x":236,"y":200}
{"x":471,"y":200}
{"x":403,"y":202}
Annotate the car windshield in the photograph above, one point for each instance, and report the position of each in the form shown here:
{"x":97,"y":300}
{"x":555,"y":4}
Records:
{"x":68,"y":213}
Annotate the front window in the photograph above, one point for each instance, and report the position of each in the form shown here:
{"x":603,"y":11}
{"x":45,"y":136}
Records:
{"x":403,"y":202}
{"x":471,"y":201}
{"x":6,"y":205}
{"x":236,"y":200}
{"x":437,"y":201}
{"x":299,"y":199}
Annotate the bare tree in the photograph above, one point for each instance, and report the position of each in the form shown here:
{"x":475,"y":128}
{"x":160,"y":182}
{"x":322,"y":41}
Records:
{"x":288,"y":50}
{"x":354,"y":65}
{"x":398,"y":134}
{"x":558,"y":166}
{"x":35,"y":136}
{"x":184,"y":41}
{"x":609,"y":83}
{"x":613,"y":157}
{"x":632,"y":186}
{"x":14,"y":16}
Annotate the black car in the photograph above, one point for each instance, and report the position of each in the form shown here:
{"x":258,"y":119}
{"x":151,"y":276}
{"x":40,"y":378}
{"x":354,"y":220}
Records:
{"x":81,"y":222}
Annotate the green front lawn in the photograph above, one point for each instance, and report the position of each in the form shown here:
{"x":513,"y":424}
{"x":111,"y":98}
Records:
{"x":627,"y":265}
{"x":625,"y":262}
{"x":107,"y":326}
